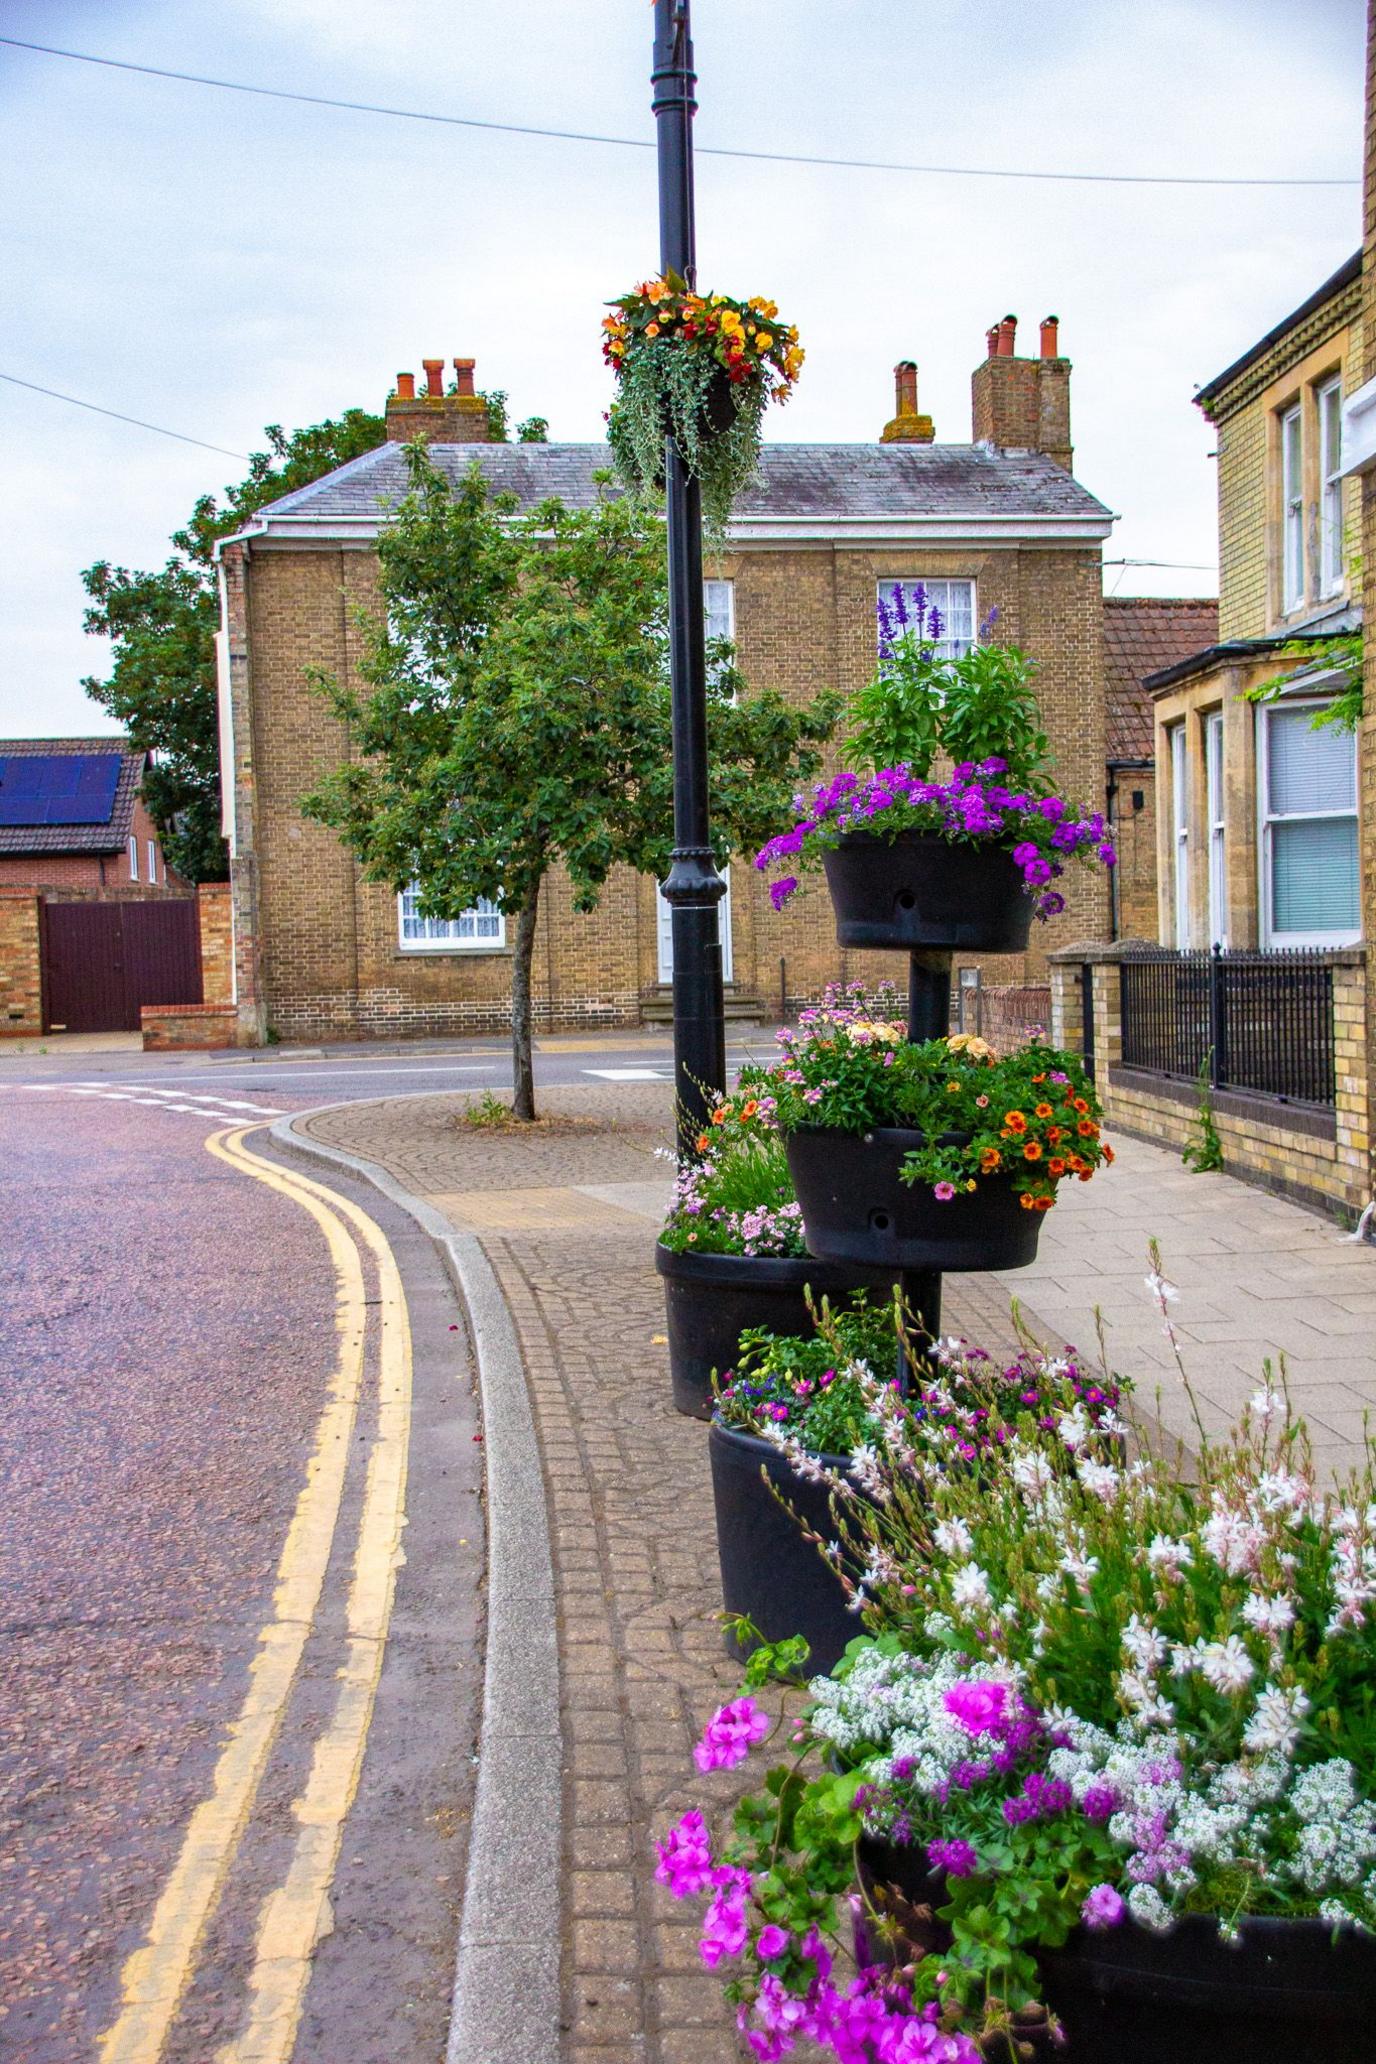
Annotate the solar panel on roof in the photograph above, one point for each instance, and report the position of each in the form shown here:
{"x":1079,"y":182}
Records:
{"x":58,"y":788}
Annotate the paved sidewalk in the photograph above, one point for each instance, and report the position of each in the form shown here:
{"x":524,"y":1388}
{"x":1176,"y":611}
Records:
{"x":567,"y":1218}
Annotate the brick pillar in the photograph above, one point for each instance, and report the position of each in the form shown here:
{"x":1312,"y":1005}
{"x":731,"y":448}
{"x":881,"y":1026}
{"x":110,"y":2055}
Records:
{"x":1352,"y":1069}
{"x":239,"y":786}
{"x":214,"y":909}
{"x":1366,"y":761}
{"x":21,"y":965}
{"x":1067,"y":1002}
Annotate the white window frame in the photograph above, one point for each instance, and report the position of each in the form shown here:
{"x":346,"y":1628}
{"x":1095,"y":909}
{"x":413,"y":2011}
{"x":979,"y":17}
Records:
{"x":1269,"y":934}
{"x":725,"y":591}
{"x":450,"y":940}
{"x":1292,"y":589}
{"x":1218,"y":841}
{"x":133,"y":857}
{"x":909,"y":581}
{"x":152,"y":860}
{"x":1178,"y":758}
{"x":1328,"y":399}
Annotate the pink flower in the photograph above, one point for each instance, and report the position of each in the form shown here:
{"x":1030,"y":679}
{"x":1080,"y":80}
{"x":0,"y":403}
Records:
{"x":771,"y":1942}
{"x":943,"y":1192}
{"x":730,"y":1735}
{"x":1103,"y":1908}
{"x":977,"y":1705}
{"x":724,"y":1930}
{"x":685,"y":1857}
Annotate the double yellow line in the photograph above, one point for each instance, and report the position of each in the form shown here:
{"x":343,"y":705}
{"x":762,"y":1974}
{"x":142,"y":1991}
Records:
{"x":156,"y":1976}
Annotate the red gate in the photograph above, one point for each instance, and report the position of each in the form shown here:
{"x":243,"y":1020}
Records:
{"x":103,"y":961}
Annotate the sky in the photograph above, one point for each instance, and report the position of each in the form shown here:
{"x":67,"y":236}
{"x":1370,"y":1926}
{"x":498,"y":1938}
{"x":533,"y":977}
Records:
{"x":214,"y":263}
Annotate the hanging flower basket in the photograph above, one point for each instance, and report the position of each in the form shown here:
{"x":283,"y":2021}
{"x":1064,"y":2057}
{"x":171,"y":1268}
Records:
{"x":699,"y":368}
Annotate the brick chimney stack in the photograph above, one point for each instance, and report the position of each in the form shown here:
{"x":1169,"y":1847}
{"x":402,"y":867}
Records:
{"x":1023,"y":404}
{"x":906,"y":426}
{"x":459,"y":417}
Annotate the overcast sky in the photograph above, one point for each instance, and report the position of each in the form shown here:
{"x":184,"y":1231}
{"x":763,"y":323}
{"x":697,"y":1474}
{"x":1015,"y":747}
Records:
{"x":213,"y":262}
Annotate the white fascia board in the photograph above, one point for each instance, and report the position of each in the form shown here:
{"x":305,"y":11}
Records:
{"x":1359,"y":430}
{"x":952,"y":530}
{"x":225,"y":709}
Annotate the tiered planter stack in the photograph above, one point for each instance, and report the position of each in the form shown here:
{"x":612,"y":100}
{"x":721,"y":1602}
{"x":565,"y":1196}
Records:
{"x":930,"y":899}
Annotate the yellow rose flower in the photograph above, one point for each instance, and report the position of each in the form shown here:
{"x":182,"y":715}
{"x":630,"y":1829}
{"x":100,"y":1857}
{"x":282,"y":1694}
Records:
{"x":764,"y":340}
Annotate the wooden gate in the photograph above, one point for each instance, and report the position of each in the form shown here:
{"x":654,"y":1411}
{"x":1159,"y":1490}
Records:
{"x":103,"y":961}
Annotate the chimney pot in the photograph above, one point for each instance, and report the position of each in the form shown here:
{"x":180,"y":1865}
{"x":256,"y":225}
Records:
{"x":905,"y":388}
{"x":991,"y":338}
{"x":406,"y":386}
{"x":463,"y":374}
{"x":1051,"y":336}
{"x":434,"y":376}
{"x":1007,"y":334}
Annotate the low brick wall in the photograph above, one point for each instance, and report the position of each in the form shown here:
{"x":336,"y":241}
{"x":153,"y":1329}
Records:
{"x":21,"y":965}
{"x":1315,"y":1155}
{"x":183,"y":1027}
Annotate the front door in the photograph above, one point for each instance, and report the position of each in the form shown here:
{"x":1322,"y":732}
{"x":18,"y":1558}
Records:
{"x":666,"y":933}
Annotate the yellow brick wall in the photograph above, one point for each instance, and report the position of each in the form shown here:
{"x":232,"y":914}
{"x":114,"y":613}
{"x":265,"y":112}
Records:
{"x":1366,"y":487}
{"x":21,"y":977}
{"x":331,"y":961}
{"x":1245,"y":417}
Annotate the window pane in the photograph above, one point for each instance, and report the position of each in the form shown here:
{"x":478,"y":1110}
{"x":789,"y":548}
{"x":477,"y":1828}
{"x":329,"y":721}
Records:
{"x":717,"y":609}
{"x":953,"y":601}
{"x":483,"y":923}
{"x":1309,"y":770}
{"x":1314,"y":877}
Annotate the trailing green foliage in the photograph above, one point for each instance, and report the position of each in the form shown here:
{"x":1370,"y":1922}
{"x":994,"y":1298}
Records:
{"x":1203,"y":1148}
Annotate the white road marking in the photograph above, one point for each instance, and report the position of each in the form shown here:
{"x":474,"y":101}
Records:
{"x":629,"y":1074}
{"x":221,"y":1110}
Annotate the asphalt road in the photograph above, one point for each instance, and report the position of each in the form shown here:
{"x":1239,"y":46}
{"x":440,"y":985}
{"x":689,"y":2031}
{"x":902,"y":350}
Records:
{"x":195,"y":1517}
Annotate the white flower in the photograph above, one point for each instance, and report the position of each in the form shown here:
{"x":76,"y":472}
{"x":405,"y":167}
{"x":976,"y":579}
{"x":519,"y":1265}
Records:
{"x":1032,"y":1473}
{"x":1279,"y":1490}
{"x":1226,"y":1664}
{"x":1145,"y":1647}
{"x":1141,"y":1696}
{"x":1169,"y":1557}
{"x":970,"y":1588}
{"x":1275,"y":1723}
{"x":1164,"y":1292}
{"x":1079,"y":1566}
{"x":1098,"y":1478}
{"x":953,"y":1537}
{"x":1073,"y":1427}
{"x":1234,"y":1541}
{"x":1268,"y":1615}
{"x":1146,"y":1906}
{"x":1265,"y":1403}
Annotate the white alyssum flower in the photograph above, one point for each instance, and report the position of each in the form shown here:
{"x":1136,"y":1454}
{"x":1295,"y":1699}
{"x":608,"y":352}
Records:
{"x":1149,"y":1909}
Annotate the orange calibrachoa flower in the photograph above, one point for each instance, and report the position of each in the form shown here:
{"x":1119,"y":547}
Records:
{"x":749,"y":1108}
{"x":1032,"y":1151}
{"x":704,"y":1141}
{"x":1043,"y":1111}
{"x":989,"y":1160}
{"x":1015,"y":1121}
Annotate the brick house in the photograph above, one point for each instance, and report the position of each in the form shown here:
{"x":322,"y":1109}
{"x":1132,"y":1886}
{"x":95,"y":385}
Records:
{"x":996,"y":522}
{"x":73,"y":821}
{"x":1259,"y":828}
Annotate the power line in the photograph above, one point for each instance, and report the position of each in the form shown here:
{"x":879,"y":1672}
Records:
{"x":365,"y":107}
{"x":137,"y":421}
{"x":1179,"y":565}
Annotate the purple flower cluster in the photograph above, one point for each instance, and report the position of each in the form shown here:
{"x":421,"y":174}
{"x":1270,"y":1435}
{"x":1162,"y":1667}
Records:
{"x":1041,"y":1798}
{"x":1042,"y":832}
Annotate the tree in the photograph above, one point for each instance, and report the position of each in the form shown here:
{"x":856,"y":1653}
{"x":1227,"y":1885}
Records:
{"x":518,"y":717}
{"x":162,"y":687}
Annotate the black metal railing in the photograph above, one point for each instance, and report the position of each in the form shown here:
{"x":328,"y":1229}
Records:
{"x":1263,"y":1021}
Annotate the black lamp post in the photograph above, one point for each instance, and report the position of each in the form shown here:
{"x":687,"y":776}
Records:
{"x":694,"y":888}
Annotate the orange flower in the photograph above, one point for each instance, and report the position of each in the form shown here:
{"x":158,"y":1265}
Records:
{"x":719,"y":1115}
{"x":1040,"y":1078}
{"x":1087,"y":1129}
{"x":1043,"y":1111}
{"x":1080,"y":1167}
{"x":989,"y":1160}
{"x":1053,"y":1133}
{"x":1085,"y":1174}
{"x":1081,"y":1106}
{"x":1045,"y":1203}
{"x":1028,"y":1202}
{"x":1032,"y":1151}
{"x":1055,"y":1166}
{"x":1108,"y":1153}
{"x":749,"y":1110}
{"x":1015,"y":1121}
{"x":704,"y":1142}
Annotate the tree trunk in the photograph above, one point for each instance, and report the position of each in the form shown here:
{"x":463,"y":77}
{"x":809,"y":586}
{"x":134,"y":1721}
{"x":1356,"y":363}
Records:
{"x":523,"y":1070}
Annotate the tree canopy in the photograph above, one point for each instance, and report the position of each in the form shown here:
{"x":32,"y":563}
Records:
{"x":162,"y":687}
{"x":517,"y":714}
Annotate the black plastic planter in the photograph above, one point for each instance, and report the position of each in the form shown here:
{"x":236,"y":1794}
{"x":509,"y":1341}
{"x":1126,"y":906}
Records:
{"x":857,"y":1209}
{"x":1285,"y":1993}
{"x":711,"y":1299}
{"x":769,"y":1570}
{"x":918,"y":891}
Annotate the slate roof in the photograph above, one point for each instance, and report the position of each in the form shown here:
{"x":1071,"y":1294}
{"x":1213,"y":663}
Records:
{"x":1142,"y":635}
{"x":843,"y":482}
{"x":77,"y":838}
